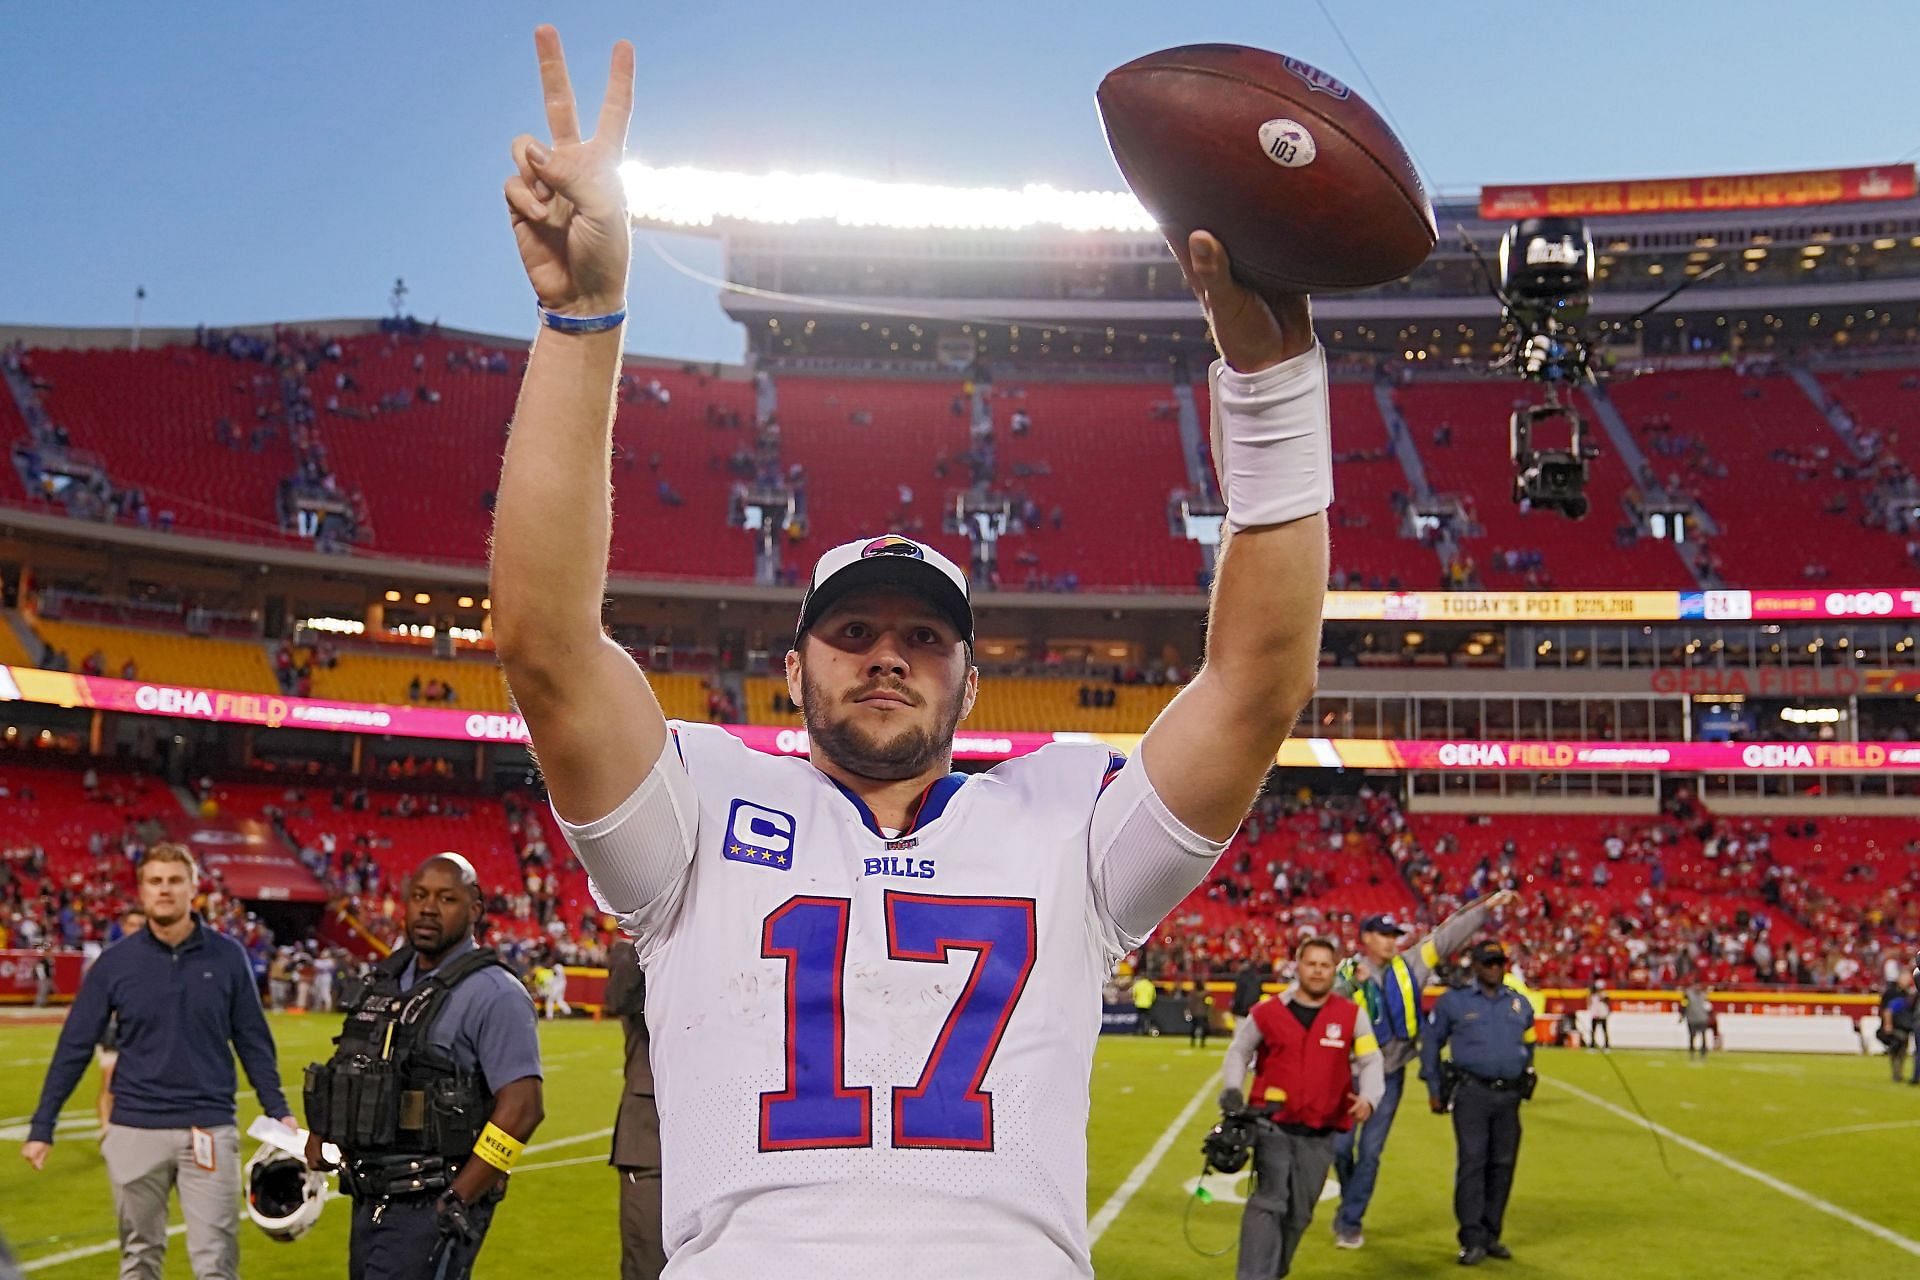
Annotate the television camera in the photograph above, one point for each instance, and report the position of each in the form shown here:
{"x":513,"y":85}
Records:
{"x":1544,"y":286}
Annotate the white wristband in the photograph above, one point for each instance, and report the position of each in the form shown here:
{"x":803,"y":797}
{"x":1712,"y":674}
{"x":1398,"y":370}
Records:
{"x":1272,"y":443}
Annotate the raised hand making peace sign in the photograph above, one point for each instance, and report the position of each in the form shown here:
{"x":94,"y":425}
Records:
{"x":568,"y":205}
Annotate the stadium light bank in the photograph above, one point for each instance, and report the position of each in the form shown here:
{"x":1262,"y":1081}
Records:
{"x":685,"y":197}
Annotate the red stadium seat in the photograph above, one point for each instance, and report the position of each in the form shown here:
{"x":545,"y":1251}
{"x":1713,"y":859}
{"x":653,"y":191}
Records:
{"x":1477,"y":465}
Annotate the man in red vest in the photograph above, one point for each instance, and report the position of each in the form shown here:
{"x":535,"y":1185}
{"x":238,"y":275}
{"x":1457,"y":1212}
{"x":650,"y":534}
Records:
{"x":1303,"y":1047}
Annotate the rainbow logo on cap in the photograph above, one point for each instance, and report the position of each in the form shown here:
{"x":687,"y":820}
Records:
{"x":892,"y":544}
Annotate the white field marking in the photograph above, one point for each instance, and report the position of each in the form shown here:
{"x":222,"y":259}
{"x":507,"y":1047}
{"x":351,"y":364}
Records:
{"x":559,"y":1164}
{"x":70,"y":1124}
{"x":1230,"y":1188}
{"x":1787,"y":1189}
{"x":112,"y":1246}
{"x":87,"y":1251}
{"x":68,"y":1114}
{"x":567,"y":1142}
{"x":1118,"y":1200}
{"x":1840,"y":1132}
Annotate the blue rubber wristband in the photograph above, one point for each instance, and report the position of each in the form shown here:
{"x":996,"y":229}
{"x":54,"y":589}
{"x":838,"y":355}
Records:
{"x":583,"y":324}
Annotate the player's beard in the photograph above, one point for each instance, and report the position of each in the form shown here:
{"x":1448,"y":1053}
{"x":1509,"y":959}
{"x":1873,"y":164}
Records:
{"x":864,"y":754}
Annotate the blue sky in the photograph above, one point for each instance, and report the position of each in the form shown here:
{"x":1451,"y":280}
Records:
{"x":266,"y":161}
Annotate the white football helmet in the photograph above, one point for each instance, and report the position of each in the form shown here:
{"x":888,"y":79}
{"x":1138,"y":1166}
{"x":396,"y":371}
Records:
{"x":284,"y":1197}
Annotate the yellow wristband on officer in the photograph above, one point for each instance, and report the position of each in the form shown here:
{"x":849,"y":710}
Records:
{"x":498,"y":1147}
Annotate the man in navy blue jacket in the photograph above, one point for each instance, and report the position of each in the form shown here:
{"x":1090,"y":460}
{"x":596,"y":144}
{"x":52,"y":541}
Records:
{"x":182,"y":994}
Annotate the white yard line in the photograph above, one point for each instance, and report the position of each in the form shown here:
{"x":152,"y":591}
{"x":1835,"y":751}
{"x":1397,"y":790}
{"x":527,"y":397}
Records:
{"x":68,"y":1114}
{"x":1842,"y":1131}
{"x":113,"y":1246}
{"x":559,"y":1164}
{"x":1787,"y":1189}
{"x":1141,"y":1172}
{"x":567,"y":1142}
{"x":87,"y":1251}
{"x":73,"y":1125}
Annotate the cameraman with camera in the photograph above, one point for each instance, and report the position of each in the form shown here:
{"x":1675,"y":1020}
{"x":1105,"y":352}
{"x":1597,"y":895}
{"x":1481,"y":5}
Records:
{"x":1303,"y":1047}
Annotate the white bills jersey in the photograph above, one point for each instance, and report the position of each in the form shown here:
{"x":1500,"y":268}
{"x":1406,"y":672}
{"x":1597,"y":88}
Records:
{"x":872,"y":1049}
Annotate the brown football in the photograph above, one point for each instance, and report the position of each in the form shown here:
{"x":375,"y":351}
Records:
{"x":1304,"y":183}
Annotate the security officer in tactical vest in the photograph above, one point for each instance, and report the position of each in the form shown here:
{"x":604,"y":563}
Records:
{"x":1489,"y":1026}
{"x":432,"y":1090}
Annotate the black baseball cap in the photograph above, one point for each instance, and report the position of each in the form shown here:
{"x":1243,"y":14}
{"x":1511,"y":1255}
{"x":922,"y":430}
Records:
{"x":891,"y":560}
{"x":1489,"y":953}
{"x":1384,"y":923}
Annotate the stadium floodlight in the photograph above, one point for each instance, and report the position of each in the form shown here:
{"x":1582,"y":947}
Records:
{"x":679,"y":196}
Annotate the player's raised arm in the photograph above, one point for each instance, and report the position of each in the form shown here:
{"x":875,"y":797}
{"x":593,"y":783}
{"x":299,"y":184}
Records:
{"x":1208,"y":751}
{"x":595,"y":724}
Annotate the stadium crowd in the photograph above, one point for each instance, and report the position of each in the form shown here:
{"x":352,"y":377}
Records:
{"x":1631,"y":901}
{"x":1719,"y":900}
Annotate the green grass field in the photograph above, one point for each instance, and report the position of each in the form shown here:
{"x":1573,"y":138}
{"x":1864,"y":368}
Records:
{"x":1591,"y":1200}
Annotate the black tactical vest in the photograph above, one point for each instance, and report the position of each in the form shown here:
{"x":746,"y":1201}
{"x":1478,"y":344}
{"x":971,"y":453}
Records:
{"x":387,"y":1091}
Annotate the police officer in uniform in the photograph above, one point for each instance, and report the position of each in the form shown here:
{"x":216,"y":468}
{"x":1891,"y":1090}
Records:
{"x":636,"y":1130}
{"x":1489,"y":1026}
{"x":432,"y":1090}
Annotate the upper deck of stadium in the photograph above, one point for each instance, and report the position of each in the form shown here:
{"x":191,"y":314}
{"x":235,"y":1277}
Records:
{"x":822,"y":250}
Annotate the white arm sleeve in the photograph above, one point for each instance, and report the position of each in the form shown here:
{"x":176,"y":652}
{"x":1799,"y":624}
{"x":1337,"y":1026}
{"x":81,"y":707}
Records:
{"x":1246,"y":1043}
{"x":637,"y":856}
{"x":1143,"y":859}
{"x":1272,"y":445}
